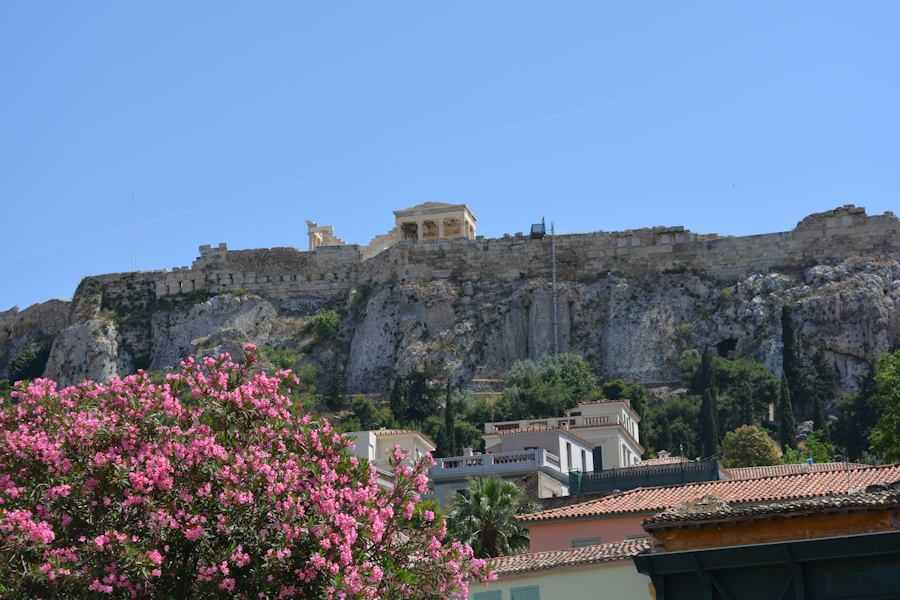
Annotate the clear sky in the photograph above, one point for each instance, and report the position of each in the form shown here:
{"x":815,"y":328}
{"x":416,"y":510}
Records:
{"x":235,"y":122}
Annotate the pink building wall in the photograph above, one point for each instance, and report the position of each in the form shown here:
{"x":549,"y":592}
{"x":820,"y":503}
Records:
{"x":559,"y":535}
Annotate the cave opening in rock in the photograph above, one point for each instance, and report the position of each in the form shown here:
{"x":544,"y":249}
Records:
{"x":726,"y":347}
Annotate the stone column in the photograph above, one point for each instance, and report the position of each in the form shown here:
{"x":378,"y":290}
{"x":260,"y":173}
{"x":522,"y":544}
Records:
{"x":419,"y":225}
{"x":441,"y":227}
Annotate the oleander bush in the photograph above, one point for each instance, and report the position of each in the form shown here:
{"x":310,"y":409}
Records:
{"x":210,"y":483}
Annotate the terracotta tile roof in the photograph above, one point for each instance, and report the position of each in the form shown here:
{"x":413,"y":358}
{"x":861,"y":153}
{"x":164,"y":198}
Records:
{"x":775,"y":470}
{"x":539,"y":561}
{"x":722,"y":511}
{"x":802,"y":485}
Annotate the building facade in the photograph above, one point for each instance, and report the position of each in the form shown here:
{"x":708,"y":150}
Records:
{"x":376,"y":446}
{"x":611,"y":426}
{"x":537,"y":459}
{"x":426,"y":221}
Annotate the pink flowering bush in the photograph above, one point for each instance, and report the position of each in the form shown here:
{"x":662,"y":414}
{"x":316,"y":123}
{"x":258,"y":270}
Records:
{"x":210,"y":484}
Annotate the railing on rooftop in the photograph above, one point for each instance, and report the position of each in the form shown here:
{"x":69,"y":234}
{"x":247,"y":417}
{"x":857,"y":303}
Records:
{"x":486,"y":464}
{"x":628,"y":478}
{"x":559,"y":423}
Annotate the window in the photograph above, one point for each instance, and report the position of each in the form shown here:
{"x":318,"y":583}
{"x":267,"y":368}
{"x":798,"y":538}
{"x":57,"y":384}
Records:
{"x":583,"y":460}
{"x":582,"y":542}
{"x":525,"y":593}
{"x":569,"y":456}
{"x":492,"y":595}
{"x":598,"y":459}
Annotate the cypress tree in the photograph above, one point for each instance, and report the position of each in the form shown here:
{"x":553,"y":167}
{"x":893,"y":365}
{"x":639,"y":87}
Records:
{"x":449,"y":424}
{"x":787,"y":433}
{"x":823,"y":388}
{"x":705,"y":377}
{"x":709,"y":421}
{"x":792,"y":367}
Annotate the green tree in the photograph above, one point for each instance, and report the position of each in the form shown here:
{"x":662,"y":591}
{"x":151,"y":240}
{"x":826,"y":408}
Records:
{"x":704,"y":378}
{"x":545,"y":388}
{"x":449,"y":433}
{"x":823,"y":386}
{"x":816,"y":446}
{"x":787,"y":434}
{"x":29,"y":363}
{"x":335,"y":392}
{"x":792,"y":366}
{"x":413,"y":398}
{"x":673,"y":426}
{"x":614,"y":390}
{"x":749,"y":446}
{"x":485,"y":518}
{"x":745,"y":388}
{"x":857,"y":415}
{"x":709,"y":422}
{"x":886,"y":434}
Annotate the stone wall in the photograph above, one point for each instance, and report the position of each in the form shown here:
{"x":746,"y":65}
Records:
{"x":275,"y":273}
{"x":831,"y":236}
{"x":281,"y":273}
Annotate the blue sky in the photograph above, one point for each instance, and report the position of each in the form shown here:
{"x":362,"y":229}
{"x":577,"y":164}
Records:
{"x":235,"y":122}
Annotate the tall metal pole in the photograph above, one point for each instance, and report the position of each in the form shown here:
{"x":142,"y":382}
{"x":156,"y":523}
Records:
{"x":132,"y":233}
{"x":555,"y":305}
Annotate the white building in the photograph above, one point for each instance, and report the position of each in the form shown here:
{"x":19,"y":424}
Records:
{"x":610,"y":425}
{"x":538,"y":459}
{"x":376,"y":446}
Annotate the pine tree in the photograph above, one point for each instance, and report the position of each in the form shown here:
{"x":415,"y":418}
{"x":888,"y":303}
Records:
{"x":787,"y":434}
{"x":709,"y":422}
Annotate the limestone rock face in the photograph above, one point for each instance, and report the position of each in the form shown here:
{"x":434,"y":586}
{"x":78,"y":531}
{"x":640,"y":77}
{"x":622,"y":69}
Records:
{"x":221,"y":324}
{"x":37,"y":326}
{"x":87,"y":350}
{"x":634,"y":329}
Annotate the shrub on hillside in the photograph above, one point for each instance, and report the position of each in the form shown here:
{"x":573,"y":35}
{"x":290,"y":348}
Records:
{"x":209,"y":484}
{"x":749,"y":446}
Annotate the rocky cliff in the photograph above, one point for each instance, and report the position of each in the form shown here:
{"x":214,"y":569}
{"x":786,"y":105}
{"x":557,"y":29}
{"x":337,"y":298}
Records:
{"x":629,"y":301}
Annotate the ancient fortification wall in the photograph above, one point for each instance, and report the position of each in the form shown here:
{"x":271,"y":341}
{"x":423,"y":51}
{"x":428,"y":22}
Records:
{"x":281,"y":273}
{"x":834,"y":235}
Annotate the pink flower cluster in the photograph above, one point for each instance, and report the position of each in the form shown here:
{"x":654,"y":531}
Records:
{"x":210,"y":482}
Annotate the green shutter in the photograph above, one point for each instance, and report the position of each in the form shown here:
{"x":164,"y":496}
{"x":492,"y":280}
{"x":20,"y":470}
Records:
{"x":526,"y":593}
{"x":492,"y":595}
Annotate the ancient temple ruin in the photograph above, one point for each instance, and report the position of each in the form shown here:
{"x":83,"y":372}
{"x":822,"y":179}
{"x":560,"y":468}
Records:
{"x":426,"y":221}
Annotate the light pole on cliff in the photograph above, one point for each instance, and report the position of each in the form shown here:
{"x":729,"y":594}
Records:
{"x":553,"y":290}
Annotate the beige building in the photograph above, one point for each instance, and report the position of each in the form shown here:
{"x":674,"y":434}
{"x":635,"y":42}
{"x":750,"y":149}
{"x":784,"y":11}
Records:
{"x":426,"y":221}
{"x":601,"y":572}
{"x":536,"y":459}
{"x":611,"y":426}
{"x":376,"y":445}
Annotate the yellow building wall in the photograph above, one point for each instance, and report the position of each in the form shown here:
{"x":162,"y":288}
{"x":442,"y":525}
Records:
{"x":606,"y":581}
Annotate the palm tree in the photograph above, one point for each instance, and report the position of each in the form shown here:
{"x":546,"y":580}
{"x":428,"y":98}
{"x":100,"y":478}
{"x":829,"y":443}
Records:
{"x":486,"y":519}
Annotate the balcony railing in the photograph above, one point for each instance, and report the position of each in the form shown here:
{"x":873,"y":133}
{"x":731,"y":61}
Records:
{"x":560,"y":423}
{"x":490,"y":464}
{"x":629,"y":478}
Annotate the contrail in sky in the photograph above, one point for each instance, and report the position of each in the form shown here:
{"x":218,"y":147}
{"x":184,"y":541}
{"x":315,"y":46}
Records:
{"x":378,"y":163}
